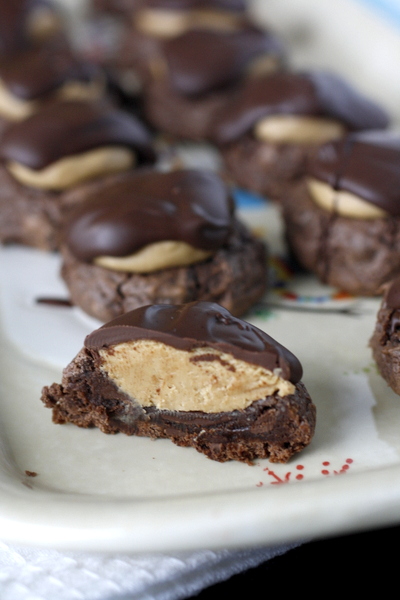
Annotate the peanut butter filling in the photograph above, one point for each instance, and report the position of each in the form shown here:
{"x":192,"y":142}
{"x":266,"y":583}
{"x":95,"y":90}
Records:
{"x":294,"y":129}
{"x":160,"y":255}
{"x":13,"y":108}
{"x":170,"y":24}
{"x":202,"y":379}
{"x":342,"y":202}
{"x":71,"y":170}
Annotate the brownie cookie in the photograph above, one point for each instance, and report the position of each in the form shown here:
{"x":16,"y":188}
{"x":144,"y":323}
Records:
{"x":385,"y":342}
{"x":171,"y":17}
{"x":161,"y":238}
{"x":44,"y":73}
{"x":267,"y":131}
{"x":146,"y":23}
{"x":197,"y":72}
{"x":50,"y":157}
{"x":343,"y":219}
{"x":191,"y":373}
{"x":26,"y":22}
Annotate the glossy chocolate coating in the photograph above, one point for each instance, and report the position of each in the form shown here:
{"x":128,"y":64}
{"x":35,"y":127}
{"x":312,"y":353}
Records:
{"x":313,"y":94}
{"x":366,"y":164}
{"x":68,"y":128}
{"x":229,"y":5}
{"x":202,"y":61}
{"x":144,"y":208}
{"x":393,"y":295}
{"x":198,"y":324}
{"x":14,"y":24}
{"x":43,"y":69}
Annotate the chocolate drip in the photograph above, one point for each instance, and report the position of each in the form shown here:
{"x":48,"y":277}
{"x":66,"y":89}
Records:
{"x":313,"y":94}
{"x":67,"y":128}
{"x":366,"y":164}
{"x":198,"y":324}
{"x":203,"y":61}
{"x":144,"y":208}
{"x":42,"y":69}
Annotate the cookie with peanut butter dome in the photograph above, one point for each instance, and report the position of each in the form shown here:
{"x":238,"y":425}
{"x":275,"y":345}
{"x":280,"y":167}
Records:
{"x":187,"y":62}
{"x":45,"y":73}
{"x":268,"y":130}
{"x":152,"y":237}
{"x":24,"y":23}
{"x":145,"y":24}
{"x":196,"y":74}
{"x":51,"y":159}
{"x":129,"y":8}
{"x":343,"y":218}
{"x":192,"y":373}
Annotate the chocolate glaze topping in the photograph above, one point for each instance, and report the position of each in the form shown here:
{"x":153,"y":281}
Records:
{"x":230,"y":5}
{"x":148,"y":207}
{"x":366,"y":164}
{"x":42,"y":69}
{"x":14,"y":24}
{"x":202,"y":61}
{"x":198,"y":324}
{"x":67,"y":128}
{"x":314,"y":94}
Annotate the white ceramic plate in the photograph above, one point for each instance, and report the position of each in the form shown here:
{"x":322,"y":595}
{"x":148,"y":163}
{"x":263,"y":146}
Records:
{"x":99,"y":492}
{"x":94,"y":491}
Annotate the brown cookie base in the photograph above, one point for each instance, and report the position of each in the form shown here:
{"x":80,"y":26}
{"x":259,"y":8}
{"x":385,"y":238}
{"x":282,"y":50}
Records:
{"x":263,"y":168}
{"x":235,"y":277}
{"x":274,"y":427}
{"x":35,"y":217}
{"x":356,"y":255}
{"x":385,"y":345}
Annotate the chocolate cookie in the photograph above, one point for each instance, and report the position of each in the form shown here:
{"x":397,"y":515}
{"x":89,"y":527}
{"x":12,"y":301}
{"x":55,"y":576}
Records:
{"x":268,"y":130}
{"x":44,"y":73}
{"x":385,"y":342}
{"x":49,"y":156}
{"x":197,"y":72}
{"x":130,"y":7}
{"x":343,"y":220}
{"x":193,"y":374}
{"x":161,"y":238}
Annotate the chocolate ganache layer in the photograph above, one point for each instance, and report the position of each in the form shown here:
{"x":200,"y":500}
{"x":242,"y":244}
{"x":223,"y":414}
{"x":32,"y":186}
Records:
{"x":313,"y":94}
{"x":67,"y":128}
{"x":202,"y":61}
{"x":147,"y":207}
{"x":43,"y":69}
{"x":199,"y":324}
{"x":366,"y":164}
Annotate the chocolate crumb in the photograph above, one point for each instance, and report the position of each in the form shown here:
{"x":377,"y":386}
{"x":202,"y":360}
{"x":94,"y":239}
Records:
{"x":55,"y":301}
